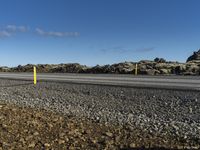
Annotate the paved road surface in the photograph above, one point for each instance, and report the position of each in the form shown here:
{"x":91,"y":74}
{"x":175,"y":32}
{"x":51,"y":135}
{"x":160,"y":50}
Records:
{"x":168,"y":82}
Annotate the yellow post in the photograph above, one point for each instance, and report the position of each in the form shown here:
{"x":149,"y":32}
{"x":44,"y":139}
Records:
{"x":136,"y":68}
{"x":34,"y":74}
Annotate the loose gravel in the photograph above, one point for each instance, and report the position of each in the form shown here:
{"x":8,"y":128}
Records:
{"x":169,"y":117}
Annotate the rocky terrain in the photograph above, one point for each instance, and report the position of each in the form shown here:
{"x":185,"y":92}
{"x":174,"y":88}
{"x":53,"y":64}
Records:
{"x":26,"y":128}
{"x":145,"y":67}
{"x":53,"y":115}
{"x":74,"y":116}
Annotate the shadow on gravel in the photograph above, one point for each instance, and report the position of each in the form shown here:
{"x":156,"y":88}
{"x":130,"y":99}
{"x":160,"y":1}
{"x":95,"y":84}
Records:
{"x":14,"y":85}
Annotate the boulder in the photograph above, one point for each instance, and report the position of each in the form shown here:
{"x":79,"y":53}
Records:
{"x":165,"y":71}
{"x":180,"y":69}
{"x":194,"y":57}
{"x":26,"y":68}
{"x":4,"y":69}
{"x":159,"y":66}
{"x":99,"y":69}
{"x":193,"y":68}
{"x":124,"y":67}
{"x":160,"y":60}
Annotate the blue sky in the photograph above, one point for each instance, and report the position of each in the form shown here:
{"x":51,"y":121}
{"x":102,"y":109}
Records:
{"x":97,"y":31}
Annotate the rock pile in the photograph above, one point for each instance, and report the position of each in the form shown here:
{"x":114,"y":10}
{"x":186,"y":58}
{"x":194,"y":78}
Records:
{"x":145,"y":67}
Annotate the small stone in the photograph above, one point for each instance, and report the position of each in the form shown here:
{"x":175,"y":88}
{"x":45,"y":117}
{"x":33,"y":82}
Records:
{"x":35,"y":133}
{"x":61,"y":134}
{"x":111,"y":142}
{"x":31,"y":145}
{"x":66,"y":139}
{"x":55,"y":120}
{"x":50,"y":125}
{"x":117,"y":139}
{"x":47,"y":145}
{"x":22,"y":140}
{"x":61,"y":141}
{"x":29,"y":137}
{"x":94,"y":141}
{"x":190,"y":109}
{"x":132,"y":145}
{"x":194,"y":147}
{"x":180,"y":147}
{"x":175,"y":127}
{"x":185,"y":137}
{"x":130,"y":116}
{"x":109,"y":134}
{"x":88,"y":131}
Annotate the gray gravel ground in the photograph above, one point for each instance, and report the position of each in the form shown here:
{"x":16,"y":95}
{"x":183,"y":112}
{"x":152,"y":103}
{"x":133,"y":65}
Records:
{"x":160,"y":113}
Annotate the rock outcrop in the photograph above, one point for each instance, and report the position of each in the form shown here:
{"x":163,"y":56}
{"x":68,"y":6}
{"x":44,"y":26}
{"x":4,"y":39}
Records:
{"x":160,"y":60}
{"x":194,"y":57}
{"x":145,"y":67}
{"x":68,"y":68}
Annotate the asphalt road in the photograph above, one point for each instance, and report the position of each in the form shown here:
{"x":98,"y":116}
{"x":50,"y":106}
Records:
{"x":167,"y":82}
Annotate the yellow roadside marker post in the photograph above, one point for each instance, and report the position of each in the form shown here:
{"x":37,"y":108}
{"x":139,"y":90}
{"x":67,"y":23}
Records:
{"x":35,"y":76}
{"x":136,"y":68}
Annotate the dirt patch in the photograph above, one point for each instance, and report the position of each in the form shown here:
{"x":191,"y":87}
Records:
{"x":28,"y":128}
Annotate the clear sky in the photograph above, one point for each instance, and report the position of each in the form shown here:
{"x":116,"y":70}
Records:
{"x":97,"y":31}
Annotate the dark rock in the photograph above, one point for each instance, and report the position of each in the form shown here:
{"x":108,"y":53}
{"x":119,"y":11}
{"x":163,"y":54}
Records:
{"x":26,"y":68}
{"x":180,"y":69}
{"x":160,"y":60}
{"x":195,"y":56}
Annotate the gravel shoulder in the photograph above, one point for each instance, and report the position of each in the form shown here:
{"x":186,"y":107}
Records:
{"x":133,"y":117}
{"x":28,"y":128}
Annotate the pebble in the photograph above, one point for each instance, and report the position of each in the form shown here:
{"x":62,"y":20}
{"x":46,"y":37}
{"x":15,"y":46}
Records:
{"x":35,"y":133}
{"x":47,"y":145}
{"x":109,"y":134}
{"x":31,"y":145}
{"x":61,"y":141}
{"x":132,"y":145}
{"x":190,"y":109}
